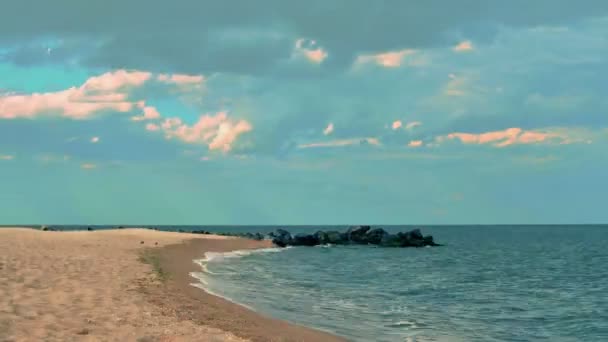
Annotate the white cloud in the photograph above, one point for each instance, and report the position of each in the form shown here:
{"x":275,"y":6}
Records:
{"x":329,"y":129}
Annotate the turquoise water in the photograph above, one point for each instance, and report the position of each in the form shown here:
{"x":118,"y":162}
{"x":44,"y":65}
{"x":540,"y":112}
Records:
{"x":488,"y":284}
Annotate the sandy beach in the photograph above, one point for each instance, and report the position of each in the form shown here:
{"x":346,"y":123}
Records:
{"x":122,"y":285}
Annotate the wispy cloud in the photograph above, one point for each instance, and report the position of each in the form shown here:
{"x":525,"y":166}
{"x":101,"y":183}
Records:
{"x":415,"y":143}
{"x":94,"y":140}
{"x":464,"y":46}
{"x":510,"y":136}
{"x":88,"y":166}
{"x":181,"y":79}
{"x":396,"y":124}
{"x":393,"y":59}
{"x":7,"y":157}
{"x":342,"y":143}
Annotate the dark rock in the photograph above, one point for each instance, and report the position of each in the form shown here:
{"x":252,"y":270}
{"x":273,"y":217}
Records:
{"x":390,"y":240}
{"x":357,"y":234}
{"x":258,"y":236}
{"x":335,"y":237}
{"x":322,"y":237}
{"x":305,"y":240}
{"x":141,"y":242}
{"x":89,"y":229}
{"x":375,"y":236}
{"x":354,"y":235}
{"x":282,"y":238}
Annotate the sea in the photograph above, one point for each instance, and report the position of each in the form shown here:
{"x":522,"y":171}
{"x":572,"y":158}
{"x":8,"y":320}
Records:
{"x":488,"y":283}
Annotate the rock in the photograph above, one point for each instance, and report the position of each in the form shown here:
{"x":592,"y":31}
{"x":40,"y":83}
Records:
{"x":322,"y":237}
{"x":375,"y":236}
{"x":258,"y":236}
{"x":354,"y":235}
{"x":357,"y":234}
{"x":335,"y":237}
{"x":282,"y":238}
{"x":89,"y":229}
{"x":390,"y":240}
{"x":305,"y":240}
{"x":141,"y":242}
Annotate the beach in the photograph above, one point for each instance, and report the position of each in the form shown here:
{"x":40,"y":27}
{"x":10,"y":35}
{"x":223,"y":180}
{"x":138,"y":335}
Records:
{"x":123,"y":285}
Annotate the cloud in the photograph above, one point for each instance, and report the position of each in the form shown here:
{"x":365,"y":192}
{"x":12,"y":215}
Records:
{"x":152,"y":127}
{"x":107,"y":92}
{"x":149,"y":113}
{"x":396,"y":124}
{"x":218,"y":132}
{"x":310,"y":50}
{"x":6,"y":157}
{"x":329,"y":129}
{"x":195,"y":37}
{"x":456,"y":86}
{"x":88,"y":166}
{"x":181,"y":79}
{"x":411,"y":125}
{"x":391,"y":59}
{"x":94,"y":140}
{"x":464,"y":46}
{"x":509,"y":136}
{"x":415,"y":143}
{"x":342,"y":143}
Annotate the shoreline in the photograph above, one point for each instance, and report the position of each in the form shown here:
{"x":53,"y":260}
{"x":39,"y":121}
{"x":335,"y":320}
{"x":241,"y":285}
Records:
{"x":123,"y":285}
{"x":216,"y":311}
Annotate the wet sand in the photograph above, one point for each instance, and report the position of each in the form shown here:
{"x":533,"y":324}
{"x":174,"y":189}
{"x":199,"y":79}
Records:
{"x":194,"y":304}
{"x":108,"y":286}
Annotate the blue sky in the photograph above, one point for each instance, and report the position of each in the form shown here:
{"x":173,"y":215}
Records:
{"x":316,"y":112}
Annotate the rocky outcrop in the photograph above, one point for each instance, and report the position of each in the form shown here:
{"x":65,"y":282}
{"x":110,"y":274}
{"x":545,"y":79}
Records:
{"x":361,"y":235}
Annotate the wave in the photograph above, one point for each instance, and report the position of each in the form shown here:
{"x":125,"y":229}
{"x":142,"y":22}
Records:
{"x":209,"y":257}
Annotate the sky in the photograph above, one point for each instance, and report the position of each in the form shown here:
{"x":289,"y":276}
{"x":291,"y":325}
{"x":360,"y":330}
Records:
{"x":312,"y":112}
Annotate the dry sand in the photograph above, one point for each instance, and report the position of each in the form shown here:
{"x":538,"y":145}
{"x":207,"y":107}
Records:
{"x":92,"y":286}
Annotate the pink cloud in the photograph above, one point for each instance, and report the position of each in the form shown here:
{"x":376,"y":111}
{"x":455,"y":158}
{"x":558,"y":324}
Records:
{"x":6,"y":157}
{"x":94,"y":140}
{"x":507,"y":137}
{"x":152,"y":127}
{"x":329,"y":129}
{"x":391,"y":59}
{"x":397,"y":124}
{"x":306,"y":48}
{"x":415,"y":143}
{"x":218,"y":132}
{"x":149,"y":113}
{"x":464,"y":46}
{"x":106,"y":92}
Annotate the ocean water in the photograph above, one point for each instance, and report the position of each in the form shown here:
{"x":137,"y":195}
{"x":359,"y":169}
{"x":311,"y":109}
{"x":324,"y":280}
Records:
{"x":494,"y":283}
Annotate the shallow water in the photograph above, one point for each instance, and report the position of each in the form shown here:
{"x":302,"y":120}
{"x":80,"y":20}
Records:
{"x":488,"y":284}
